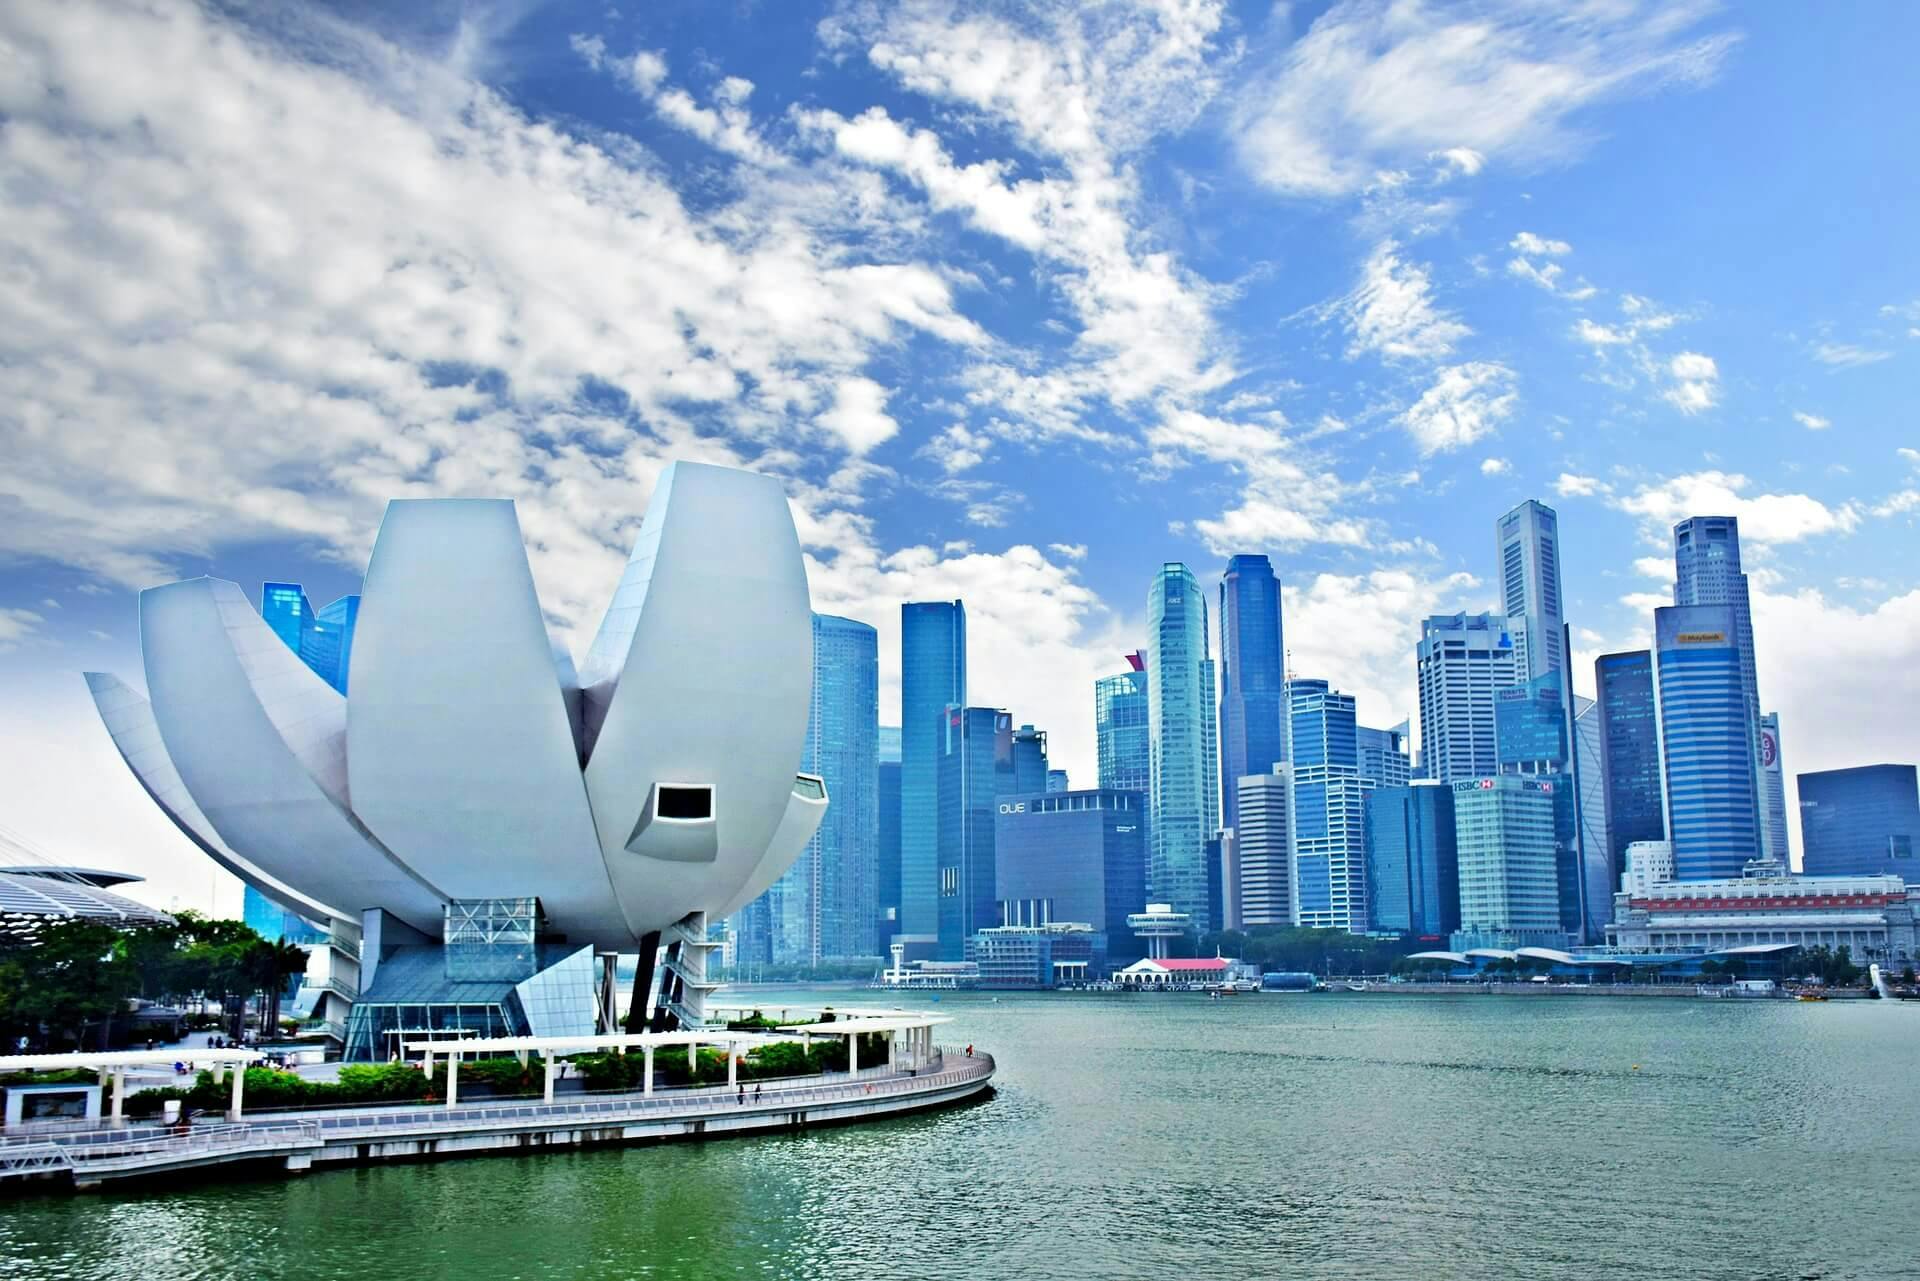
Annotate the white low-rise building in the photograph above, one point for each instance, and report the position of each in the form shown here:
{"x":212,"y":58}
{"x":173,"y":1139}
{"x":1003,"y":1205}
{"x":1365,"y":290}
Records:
{"x":1871,"y":916}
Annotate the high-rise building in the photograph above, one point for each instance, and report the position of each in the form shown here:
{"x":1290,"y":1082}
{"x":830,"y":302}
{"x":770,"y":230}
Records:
{"x":1463,"y":661}
{"x":1120,"y":727}
{"x":1863,"y":821}
{"x":326,"y":645}
{"x":1629,"y":753}
{"x":1528,"y":539}
{"x":1073,"y":857}
{"x":1328,"y":809}
{"x":271,"y":921}
{"x":1599,"y":874}
{"x":1263,"y":848}
{"x":1029,"y":760}
{"x":1773,"y":790}
{"x":843,"y":748}
{"x":1252,"y":676}
{"x":1706,"y":742}
{"x":287,"y":610}
{"x":1413,"y":865}
{"x":1383,"y":755}
{"x":1706,"y":562}
{"x":1504,"y":836}
{"x":1057,"y":781}
{"x":974,"y":770}
{"x":887,"y":917}
{"x":1530,"y":726}
{"x":1184,"y":813}
{"x":933,"y":677}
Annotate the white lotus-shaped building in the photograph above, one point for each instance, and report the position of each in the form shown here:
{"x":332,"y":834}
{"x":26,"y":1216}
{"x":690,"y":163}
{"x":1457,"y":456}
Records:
{"x":468,"y":763}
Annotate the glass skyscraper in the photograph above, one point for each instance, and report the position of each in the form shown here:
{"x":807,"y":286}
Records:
{"x":1509,"y":884}
{"x":1263,"y":848}
{"x":974,"y":770}
{"x":1120,"y":729}
{"x":1773,"y":789}
{"x":1252,"y":676}
{"x":843,"y":748}
{"x":1530,"y":726}
{"x":271,"y":921}
{"x":1629,"y":754}
{"x":1706,"y":562}
{"x":1383,"y":755}
{"x":1328,"y":810}
{"x":1073,"y":857}
{"x":887,"y":918}
{"x":287,"y":610}
{"x":933,"y":677}
{"x":323,"y":640}
{"x":1413,"y":865}
{"x":1706,"y":742}
{"x":1029,"y":760}
{"x":1184,"y":813}
{"x":1528,"y":539}
{"x":1600,"y":878}
{"x":1462,"y":660}
{"x":1863,"y":821}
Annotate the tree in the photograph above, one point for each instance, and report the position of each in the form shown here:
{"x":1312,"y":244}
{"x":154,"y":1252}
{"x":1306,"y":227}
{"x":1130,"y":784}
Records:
{"x":272,"y":965}
{"x":68,"y":979}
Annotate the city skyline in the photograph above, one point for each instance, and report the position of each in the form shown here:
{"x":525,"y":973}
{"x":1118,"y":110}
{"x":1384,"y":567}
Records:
{"x":990,"y":363}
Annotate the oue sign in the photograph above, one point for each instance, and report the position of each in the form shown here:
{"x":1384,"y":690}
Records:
{"x":1018,"y":807}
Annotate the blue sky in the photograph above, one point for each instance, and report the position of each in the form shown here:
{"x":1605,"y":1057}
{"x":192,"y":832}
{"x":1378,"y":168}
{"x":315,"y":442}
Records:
{"x":1019,"y":301}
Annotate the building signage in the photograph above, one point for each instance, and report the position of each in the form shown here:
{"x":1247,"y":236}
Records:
{"x":1014,"y":807}
{"x":1701,"y":638}
{"x":1769,"y":750}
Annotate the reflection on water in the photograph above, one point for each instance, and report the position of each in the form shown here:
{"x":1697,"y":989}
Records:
{"x":1324,"y":1136}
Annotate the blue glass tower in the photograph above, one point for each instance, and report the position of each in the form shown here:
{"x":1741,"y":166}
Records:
{"x":974,"y":770}
{"x":1413,"y":865}
{"x":1120,"y":729}
{"x":1328,"y":810}
{"x":1863,"y":821}
{"x":1706,"y":742}
{"x":1073,"y":856}
{"x":933,"y":677}
{"x":887,"y":915}
{"x":287,"y":611}
{"x":271,"y":921}
{"x":1706,"y":563}
{"x":1629,"y":754}
{"x":326,"y":645}
{"x":1184,"y":813}
{"x":1252,"y":676}
{"x":1029,"y":760}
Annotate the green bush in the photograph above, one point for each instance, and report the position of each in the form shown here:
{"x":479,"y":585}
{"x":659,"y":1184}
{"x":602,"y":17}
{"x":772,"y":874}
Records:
{"x":148,"y":1102}
{"x":64,"y":1076}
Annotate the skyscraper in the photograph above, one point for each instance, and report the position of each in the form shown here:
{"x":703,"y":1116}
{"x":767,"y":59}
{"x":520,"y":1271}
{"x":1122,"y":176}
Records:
{"x":887,"y":916}
{"x":974,"y":770}
{"x":1073,"y":857}
{"x":1383,"y":755}
{"x":1029,"y":760}
{"x":1413,"y":866}
{"x":1463,"y":660}
{"x":1530,"y":726}
{"x":1263,"y":848}
{"x":1252,"y":676}
{"x":1120,"y":729}
{"x":1863,"y":821}
{"x":843,"y":748}
{"x":1057,"y":781}
{"x":271,"y":921}
{"x":1184,"y":814}
{"x":1509,"y":891}
{"x":326,"y":645}
{"x":1706,"y":742}
{"x":1600,"y":877}
{"x":1328,"y":809}
{"x":1706,"y":562}
{"x":1629,"y":753}
{"x":933,"y":677}
{"x":1528,"y":538}
{"x":287,"y":611}
{"x":1773,"y":789}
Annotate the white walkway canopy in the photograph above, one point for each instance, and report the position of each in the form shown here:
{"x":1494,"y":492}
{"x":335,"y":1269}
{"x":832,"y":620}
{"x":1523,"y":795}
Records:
{"x":114,"y":1064}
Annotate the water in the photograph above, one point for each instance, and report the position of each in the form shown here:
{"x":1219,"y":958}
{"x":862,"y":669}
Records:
{"x":1329,"y":1136}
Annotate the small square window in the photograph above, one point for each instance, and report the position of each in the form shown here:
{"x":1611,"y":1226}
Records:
{"x":684,"y":802}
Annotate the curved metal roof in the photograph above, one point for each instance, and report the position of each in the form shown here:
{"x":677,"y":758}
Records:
{"x":1458,"y":958}
{"x":99,"y":878}
{"x":28,"y":902}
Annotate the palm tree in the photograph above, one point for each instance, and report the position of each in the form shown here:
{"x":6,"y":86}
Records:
{"x":269,"y":966}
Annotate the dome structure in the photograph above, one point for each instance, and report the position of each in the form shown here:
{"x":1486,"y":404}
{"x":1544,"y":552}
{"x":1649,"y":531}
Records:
{"x":468,"y":762}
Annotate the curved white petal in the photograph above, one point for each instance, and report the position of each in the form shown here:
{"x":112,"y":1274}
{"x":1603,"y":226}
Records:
{"x":129,"y":721}
{"x":460,"y":753}
{"x":700,"y":674}
{"x":260,"y":742}
{"x":797,"y":826}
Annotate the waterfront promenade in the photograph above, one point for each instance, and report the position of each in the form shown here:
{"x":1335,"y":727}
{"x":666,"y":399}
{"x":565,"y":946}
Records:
{"x":296,"y":1141}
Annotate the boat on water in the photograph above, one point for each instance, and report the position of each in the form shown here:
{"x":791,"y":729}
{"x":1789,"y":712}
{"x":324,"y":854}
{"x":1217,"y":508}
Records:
{"x":1362,"y":986}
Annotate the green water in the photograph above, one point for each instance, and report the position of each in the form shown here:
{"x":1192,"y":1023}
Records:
{"x":1168,"y":1135}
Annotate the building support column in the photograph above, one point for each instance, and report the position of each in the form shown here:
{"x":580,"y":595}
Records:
{"x":120,"y":1097}
{"x":646,"y":1080}
{"x":453,"y":1078}
{"x":733,"y":1065}
{"x":853,"y":1054}
{"x":239,"y":1080}
{"x":550,"y":1066}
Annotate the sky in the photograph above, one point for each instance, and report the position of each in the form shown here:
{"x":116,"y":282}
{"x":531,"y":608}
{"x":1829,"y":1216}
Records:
{"x":1019,"y":302}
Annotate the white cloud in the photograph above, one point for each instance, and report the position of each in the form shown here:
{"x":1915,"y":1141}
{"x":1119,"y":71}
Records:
{"x":1660,"y":567}
{"x":958,"y":449}
{"x":1696,"y":382}
{"x":1572,"y":486}
{"x":1372,"y":84}
{"x":1068,"y":551}
{"x":1495,"y":466}
{"x":1465,"y":403}
{"x":1359,"y":632}
{"x":1596,"y":335}
{"x":859,"y":414}
{"x":16,"y":625}
{"x":1464,"y":160}
{"x":592,"y":49}
{"x":1391,"y":311}
{"x":1539,"y":246}
{"x":1812,"y":422}
{"x":1847,"y":355}
{"x":1290,"y":497}
{"x":645,"y":71}
{"x":1764,"y":518}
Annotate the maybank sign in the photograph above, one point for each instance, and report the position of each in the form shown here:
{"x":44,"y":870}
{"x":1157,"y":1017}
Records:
{"x":1701,"y":638}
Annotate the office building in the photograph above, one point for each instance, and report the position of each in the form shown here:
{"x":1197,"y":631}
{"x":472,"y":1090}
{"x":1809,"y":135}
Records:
{"x":287,"y":610}
{"x":887,"y":915}
{"x":1862,"y":821}
{"x":974,"y":770}
{"x":1263,"y":848}
{"x":1773,"y":790}
{"x":843,"y":749}
{"x":1252,"y":676}
{"x":1327,"y":810}
{"x":1029,"y":762}
{"x":1057,"y":781}
{"x":1184,"y":812}
{"x":1504,"y":838}
{"x":1120,"y":725}
{"x":1384,"y":755}
{"x":1463,"y":661}
{"x":1073,"y":857}
{"x":1629,"y":752}
{"x":271,"y":921}
{"x":1871,"y":916}
{"x":1706,"y":562}
{"x":1600,"y":874}
{"x":1413,"y":866}
{"x":1649,"y":863}
{"x":1528,"y":542}
{"x":1530,"y":727}
{"x":1036,"y":957}
{"x":933,"y":677}
{"x":1706,"y":742}
{"x":326,"y":645}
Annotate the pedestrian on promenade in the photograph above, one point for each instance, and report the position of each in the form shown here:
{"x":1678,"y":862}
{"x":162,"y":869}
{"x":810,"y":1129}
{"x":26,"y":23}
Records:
{"x":756,"y":1091}
{"x":743,"y":1094}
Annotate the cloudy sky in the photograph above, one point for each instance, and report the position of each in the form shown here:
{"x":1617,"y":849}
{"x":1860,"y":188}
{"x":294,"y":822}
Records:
{"x":1020,"y":302}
